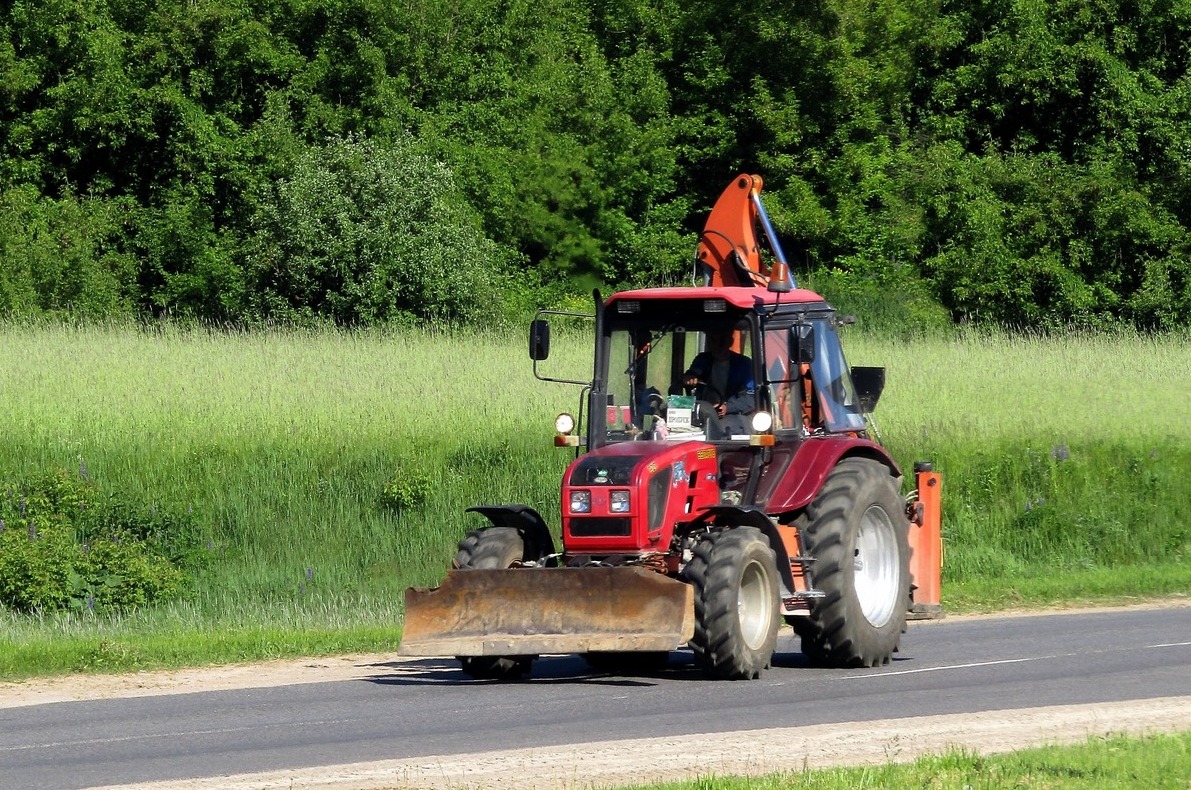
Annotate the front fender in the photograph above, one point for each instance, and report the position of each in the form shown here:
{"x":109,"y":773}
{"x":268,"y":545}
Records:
{"x":528,"y":522}
{"x":746,"y":516}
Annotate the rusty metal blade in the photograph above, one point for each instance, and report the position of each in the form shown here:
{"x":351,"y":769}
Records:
{"x":530,"y":611}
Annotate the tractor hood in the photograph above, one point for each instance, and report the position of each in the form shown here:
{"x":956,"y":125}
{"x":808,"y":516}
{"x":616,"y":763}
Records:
{"x":626,"y":498}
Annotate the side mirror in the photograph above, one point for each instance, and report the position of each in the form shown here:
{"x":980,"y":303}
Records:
{"x":869,"y":383}
{"x":539,"y":339}
{"x":802,"y":343}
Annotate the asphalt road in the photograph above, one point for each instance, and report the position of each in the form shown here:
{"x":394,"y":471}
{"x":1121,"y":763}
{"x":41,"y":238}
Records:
{"x":412,"y":709}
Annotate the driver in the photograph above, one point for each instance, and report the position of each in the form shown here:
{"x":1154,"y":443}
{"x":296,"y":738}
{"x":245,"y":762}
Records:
{"x":726,"y":377}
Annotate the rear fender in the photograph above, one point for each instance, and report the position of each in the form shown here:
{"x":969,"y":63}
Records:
{"x":529,"y":525}
{"x":813,"y":461}
{"x":738,"y":516}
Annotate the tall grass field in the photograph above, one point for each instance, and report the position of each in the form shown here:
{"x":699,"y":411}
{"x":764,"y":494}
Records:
{"x":326,"y":471}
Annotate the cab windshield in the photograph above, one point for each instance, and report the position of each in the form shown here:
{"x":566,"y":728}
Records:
{"x":680,"y":382}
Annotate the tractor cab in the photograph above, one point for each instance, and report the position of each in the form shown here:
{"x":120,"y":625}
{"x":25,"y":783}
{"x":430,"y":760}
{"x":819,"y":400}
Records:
{"x":752,"y":373}
{"x":731,"y":366}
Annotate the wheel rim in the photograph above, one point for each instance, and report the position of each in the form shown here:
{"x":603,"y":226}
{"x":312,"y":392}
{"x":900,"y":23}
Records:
{"x":876,"y":565}
{"x":754,"y":605}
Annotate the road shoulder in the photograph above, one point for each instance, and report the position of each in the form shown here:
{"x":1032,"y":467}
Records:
{"x":748,"y":753}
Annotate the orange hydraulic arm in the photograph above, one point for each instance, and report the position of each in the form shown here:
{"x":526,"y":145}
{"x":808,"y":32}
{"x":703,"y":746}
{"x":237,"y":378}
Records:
{"x":729,"y":253}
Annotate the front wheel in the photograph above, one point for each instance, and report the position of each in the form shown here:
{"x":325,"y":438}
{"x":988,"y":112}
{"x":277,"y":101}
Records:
{"x":857,"y":532}
{"x":495,"y":667}
{"x":734,"y":572}
{"x":492,"y":547}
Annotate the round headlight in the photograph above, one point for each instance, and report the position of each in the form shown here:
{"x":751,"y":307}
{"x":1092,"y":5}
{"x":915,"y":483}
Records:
{"x":762,"y":422}
{"x":564,"y":423}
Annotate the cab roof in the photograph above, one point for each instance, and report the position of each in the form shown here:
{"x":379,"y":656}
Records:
{"x":741,"y":297}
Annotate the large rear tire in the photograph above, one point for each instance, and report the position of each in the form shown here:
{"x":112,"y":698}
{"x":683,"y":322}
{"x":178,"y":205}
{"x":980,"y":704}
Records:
{"x":856,"y":530}
{"x":492,"y":547}
{"x":734,"y":572}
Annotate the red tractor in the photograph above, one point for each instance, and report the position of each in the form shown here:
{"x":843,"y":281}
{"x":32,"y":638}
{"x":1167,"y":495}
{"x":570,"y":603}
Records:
{"x":725,"y":480}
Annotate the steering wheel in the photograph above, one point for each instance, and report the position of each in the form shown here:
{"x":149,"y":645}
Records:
{"x":704,"y":391}
{"x":706,"y":397}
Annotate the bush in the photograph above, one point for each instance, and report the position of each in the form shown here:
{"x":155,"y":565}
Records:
{"x":367,"y":232}
{"x":64,"y":256}
{"x":65,"y":545}
{"x":406,"y":490}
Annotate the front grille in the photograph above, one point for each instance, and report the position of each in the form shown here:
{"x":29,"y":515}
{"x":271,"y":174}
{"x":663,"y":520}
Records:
{"x":659,"y":489}
{"x":601,"y":527}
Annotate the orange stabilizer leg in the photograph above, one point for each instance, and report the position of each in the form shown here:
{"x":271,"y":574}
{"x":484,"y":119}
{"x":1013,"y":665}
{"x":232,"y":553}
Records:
{"x":926,"y":545}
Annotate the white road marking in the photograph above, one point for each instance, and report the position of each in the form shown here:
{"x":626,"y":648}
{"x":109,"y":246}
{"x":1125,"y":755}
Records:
{"x":942,"y":668}
{"x":1004,"y":661}
{"x":142,"y":737}
{"x":148,"y":736}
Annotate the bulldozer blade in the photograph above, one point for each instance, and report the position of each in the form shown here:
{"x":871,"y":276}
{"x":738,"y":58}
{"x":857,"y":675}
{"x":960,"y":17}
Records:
{"x":523,"y":612}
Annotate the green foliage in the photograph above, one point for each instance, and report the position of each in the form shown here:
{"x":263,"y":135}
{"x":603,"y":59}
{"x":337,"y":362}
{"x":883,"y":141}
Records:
{"x":1054,"y":184}
{"x":63,"y":545}
{"x":240,"y":161}
{"x":883,"y":307}
{"x":65,"y":257}
{"x":365,"y":233}
{"x":408,"y":489}
{"x":1014,"y":157}
{"x":1034,"y":241}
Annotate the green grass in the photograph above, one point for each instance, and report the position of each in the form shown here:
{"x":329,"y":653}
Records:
{"x":1061,"y":455}
{"x":1064,"y":463}
{"x":1160,"y":761}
